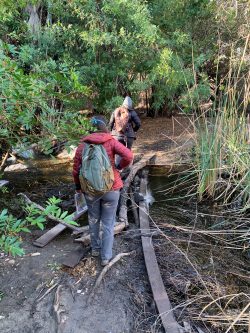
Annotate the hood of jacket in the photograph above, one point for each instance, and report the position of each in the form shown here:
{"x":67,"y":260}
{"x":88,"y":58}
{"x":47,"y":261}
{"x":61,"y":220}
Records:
{"x":97,"y":138}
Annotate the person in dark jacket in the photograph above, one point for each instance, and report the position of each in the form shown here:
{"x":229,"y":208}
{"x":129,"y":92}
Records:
{"x":134,"y":123}
{"x":102,"y":208}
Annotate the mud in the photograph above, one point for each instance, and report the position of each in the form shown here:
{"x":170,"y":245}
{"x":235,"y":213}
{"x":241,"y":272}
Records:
{"x":122,"y":303}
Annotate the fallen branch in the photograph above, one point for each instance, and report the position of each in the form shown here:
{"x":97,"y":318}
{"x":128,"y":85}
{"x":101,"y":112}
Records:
{"x":47,"y":292}
{"x":86,"y":239}
{"x":57,"y":305}
{"x":199,"y":329}
{"x":4,"y":161}
{"x":106,"y":268}
{"x":51,"y":217}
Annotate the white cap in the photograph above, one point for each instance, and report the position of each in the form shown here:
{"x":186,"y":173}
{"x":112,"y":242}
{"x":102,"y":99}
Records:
{"x":127,"y":103}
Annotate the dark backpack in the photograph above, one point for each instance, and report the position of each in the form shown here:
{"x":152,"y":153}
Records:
{"x":96,"y":172}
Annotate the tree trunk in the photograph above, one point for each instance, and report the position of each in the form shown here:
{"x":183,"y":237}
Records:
{"x":34,"y":22}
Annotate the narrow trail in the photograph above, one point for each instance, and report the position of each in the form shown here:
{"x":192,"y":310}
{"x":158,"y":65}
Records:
{"x":123,"y":303}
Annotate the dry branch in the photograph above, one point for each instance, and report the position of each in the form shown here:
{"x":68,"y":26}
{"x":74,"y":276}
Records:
{"x":2,"y":166}
{"x":57,"y":305}
{"x":106,"y":268}
{"x":51,"y":217}
{"x":47,"y":292}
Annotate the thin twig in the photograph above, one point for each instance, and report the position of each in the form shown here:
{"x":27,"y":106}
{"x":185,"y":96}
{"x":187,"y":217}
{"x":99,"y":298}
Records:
{"x":4,"y":161}
{"x":47,"y":292}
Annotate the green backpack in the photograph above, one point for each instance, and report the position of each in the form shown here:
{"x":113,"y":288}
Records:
{"x":96,"y":173}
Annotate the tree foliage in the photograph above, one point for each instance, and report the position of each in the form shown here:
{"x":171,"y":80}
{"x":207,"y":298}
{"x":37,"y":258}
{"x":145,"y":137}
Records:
{"x":88,"y":53}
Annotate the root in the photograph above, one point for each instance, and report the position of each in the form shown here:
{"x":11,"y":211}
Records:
{"x":105,"y":269}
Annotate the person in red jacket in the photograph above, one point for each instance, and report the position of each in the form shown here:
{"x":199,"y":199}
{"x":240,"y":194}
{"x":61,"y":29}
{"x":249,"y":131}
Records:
{"x":102,"y":208}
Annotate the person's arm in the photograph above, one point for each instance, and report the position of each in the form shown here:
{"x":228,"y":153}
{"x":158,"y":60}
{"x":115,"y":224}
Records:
{"x":112,"y":121}
{"x":136,"y":120}
{"x":125,"y":154}
{"x":76,"y":167}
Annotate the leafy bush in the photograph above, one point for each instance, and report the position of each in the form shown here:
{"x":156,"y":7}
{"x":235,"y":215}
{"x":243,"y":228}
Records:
{"x":11,"y":227}
{"x":28,"y":110}
{"x":195,"y":96}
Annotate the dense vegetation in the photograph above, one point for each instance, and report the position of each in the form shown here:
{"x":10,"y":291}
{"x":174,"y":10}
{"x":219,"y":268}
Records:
{"x":61,"y":57}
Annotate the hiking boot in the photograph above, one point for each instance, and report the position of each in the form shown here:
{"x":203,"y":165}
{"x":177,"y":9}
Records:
{"x":95,"y":253}
{"x":105,"y":262}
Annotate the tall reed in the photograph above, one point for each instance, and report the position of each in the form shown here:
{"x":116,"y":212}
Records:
{"x":222,"y":159}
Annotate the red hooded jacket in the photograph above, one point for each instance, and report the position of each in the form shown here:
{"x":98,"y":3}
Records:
{"x":113,"y":147}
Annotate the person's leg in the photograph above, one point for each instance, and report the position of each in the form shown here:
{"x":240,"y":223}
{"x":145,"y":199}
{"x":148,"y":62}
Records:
{"x":121,"y":139}
{"x":117,"y":157}
{"x":130,"y":142}
{"x":94,"y":217}
{"x":109,"y":204}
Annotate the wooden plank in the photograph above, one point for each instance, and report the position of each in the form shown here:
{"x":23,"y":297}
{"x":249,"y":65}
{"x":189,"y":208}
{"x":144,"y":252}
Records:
{"x":53,"y":232}
{"x":49,"y":235}
{"x":159,"y":293}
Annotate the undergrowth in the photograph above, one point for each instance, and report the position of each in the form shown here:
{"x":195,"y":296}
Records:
{"x":11,"y":228}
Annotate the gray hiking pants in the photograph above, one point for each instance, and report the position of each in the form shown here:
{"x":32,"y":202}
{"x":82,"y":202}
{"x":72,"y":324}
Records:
{"x":102,"y":208}
{"x":127,"y":142}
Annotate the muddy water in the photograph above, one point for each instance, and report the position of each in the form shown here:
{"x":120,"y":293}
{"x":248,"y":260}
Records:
{"x":43,"y":179}
{"x":39,"y":173}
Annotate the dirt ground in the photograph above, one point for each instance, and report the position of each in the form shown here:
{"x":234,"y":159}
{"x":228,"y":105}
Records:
{"x":33,"y":288}
{"x":123,"y":302}
{"x":170,"y":138}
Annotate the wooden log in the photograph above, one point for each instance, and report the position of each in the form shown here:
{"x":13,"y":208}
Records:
{"x":160,"y":296}
{"x":122,"y":216}
{"x":134,"y":209}
{"x":49,"y":235}
{"x":86,"y":238}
